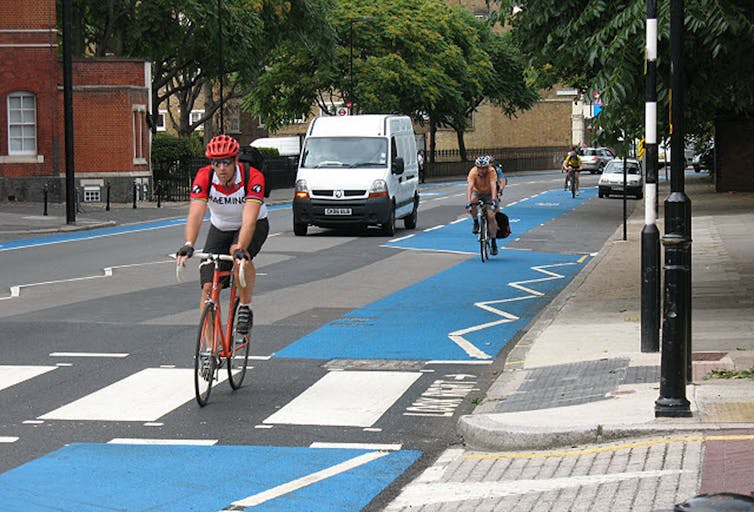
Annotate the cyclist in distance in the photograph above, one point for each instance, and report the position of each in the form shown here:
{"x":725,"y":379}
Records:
{"x":238,"y":219}
{"x":572,"y":164}
{"x":502,"y":181}
{"x":482,"y":184}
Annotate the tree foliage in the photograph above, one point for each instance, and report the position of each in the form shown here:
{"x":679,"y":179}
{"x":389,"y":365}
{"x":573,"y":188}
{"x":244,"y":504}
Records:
{"x":181,"y":39}
{"x":599,"y":45}
{"x":424,"y":58}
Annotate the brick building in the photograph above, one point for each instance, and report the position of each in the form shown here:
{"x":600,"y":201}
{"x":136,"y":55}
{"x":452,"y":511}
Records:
{"x":110,"y":105}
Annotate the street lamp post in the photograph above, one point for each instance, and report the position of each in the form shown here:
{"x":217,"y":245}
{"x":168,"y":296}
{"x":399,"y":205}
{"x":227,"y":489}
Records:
{"x":350,"y":68}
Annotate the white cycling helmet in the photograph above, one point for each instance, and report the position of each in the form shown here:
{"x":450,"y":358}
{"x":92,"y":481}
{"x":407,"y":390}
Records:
{"x":482,"y":161}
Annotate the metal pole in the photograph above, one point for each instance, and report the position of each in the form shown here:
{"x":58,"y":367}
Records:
{"x":650,"y":235}
{"x":677,"y":242}
{"x":350,"y":69}
{"x":625,"y":205}
{"x":221,"y":62}
{"x":70,"y":182}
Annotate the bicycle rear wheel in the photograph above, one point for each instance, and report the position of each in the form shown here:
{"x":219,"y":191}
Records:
{"x":204,"y":356}
{"x":239,"y":352}
{"x":573,"y":185}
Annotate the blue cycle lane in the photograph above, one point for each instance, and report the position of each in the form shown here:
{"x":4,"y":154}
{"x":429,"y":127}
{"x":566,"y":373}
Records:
{"x":468,"y":312}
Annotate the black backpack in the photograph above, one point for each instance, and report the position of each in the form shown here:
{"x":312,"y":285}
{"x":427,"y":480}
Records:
{"x":251,"y":156}
{"x":503,"y":225}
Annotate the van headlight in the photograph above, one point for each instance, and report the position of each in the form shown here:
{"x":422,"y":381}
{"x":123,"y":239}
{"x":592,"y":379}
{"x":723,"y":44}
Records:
{"x":378,"y":189}
{"x":302,"y":190}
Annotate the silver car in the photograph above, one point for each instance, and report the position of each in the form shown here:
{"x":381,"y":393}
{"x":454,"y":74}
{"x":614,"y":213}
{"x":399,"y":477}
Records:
{"x":611,"y":181}
{"x":594,"y":160}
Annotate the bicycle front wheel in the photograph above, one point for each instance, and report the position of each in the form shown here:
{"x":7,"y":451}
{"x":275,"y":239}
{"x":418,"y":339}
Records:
{"x":483,"y":240}
{"x":204,"y":356}
{"x":573,"y":186}
{"x":239,"y":352}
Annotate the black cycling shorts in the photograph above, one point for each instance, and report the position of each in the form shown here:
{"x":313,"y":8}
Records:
{"x":219,"y":242}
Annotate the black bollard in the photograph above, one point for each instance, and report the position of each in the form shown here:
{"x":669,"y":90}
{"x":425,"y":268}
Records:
{"x":107,"y":205}
{"x":135,"y":195}
{"x":45,"y":194}
{"x":159,"y":194}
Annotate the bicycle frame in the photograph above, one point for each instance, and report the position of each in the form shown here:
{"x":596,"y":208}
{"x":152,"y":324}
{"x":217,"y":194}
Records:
{"x":223,"y":332}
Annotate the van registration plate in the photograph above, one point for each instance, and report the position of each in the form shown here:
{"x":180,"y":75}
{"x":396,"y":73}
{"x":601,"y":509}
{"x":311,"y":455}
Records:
{"x":337,"y":211}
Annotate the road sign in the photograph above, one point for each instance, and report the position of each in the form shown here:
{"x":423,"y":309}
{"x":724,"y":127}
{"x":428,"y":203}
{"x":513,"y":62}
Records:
{"x":343,"y":111}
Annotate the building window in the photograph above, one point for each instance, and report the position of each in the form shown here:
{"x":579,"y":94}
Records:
{"x":92,"y":194}
{"x":194,"y":117}
{"x":161,"y":121}
{"x":22,"y":124}
{"x":140,"y":134}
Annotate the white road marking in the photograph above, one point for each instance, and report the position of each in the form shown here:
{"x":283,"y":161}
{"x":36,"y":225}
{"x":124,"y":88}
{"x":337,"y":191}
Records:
{"x":310,"y":479}
{"x":166,"y":442}
{"x":359,"y":446}
{"x":144,"y":396}
{"x":15,"y":291}
{"x":89,"y":354}
{"x":346,"y":398}
{"x":8,"y":439}
{"x":10,"y":375}
{"x":472,"y":350}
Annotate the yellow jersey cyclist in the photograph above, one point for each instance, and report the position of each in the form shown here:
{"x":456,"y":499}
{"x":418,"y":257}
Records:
{"x":571,"y":165}
{"x":482,"y":184}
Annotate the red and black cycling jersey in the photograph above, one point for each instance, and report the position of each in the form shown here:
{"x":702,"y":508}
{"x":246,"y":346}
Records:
{"x":226,"y":203}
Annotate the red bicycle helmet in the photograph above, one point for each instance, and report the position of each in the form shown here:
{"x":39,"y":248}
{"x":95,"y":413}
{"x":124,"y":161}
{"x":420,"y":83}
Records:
{"x":222,"y":146}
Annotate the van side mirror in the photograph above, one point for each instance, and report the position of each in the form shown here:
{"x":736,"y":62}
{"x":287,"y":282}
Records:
{"x":398,"y":166}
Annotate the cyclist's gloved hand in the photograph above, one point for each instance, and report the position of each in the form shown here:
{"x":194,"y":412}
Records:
{"x":240,"y":254}
{"x":468,"y":206}
{"x":185,"y":250}
{"x":494,"y":204}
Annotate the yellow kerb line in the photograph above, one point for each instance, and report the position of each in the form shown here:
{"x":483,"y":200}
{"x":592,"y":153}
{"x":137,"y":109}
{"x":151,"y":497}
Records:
{"x":601,"y":449}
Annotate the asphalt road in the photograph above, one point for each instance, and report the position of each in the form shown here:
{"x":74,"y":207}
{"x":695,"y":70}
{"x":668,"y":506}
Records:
{"x":366,"y":350}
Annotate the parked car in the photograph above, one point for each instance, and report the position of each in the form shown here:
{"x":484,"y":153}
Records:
{"x":595,"y":159}
{"x":611,"y":181}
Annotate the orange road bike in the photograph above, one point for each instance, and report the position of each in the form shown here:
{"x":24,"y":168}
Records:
{"x":217,"y":344}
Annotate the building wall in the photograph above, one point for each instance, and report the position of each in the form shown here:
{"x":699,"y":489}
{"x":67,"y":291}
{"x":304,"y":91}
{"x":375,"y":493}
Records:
{"x":110,"y":97}
{"x":105,"y":143}
{"x":28,"y":63}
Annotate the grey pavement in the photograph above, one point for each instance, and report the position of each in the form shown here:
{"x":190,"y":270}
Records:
{"x":570,"y":422}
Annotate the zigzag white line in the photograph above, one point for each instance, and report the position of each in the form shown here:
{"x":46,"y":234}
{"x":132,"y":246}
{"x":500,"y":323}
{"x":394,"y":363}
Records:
{"x":458,"y":336}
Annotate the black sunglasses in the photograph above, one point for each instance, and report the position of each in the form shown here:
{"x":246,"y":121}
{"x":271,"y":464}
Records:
{"x":224,"y":161}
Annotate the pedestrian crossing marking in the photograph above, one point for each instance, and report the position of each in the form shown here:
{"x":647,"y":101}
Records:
{"x":10,"y":375}
{"x":143,"y":396}
{"x":346,"y":399}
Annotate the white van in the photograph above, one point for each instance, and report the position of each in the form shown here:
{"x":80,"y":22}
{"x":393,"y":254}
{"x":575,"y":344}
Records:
{"x":357,"y":170}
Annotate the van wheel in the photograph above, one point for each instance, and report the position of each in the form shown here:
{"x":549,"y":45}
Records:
{"x":299,"y":228}
{"x":410,"y":221}
{"x":388,"y":228}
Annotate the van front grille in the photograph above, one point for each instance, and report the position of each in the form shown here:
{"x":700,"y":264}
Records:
{"x":331,"y":193}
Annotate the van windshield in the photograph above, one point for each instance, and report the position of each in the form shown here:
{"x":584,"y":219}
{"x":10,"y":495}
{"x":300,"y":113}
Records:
{"x":348,"y":152}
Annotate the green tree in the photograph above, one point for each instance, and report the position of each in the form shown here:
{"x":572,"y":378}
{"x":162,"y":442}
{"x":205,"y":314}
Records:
{"x":181,"y":38}
{"x":424,"y":58}
{"x":599,"y":45}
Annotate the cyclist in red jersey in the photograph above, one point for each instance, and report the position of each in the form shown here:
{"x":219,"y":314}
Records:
{"x":238,"y":219}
